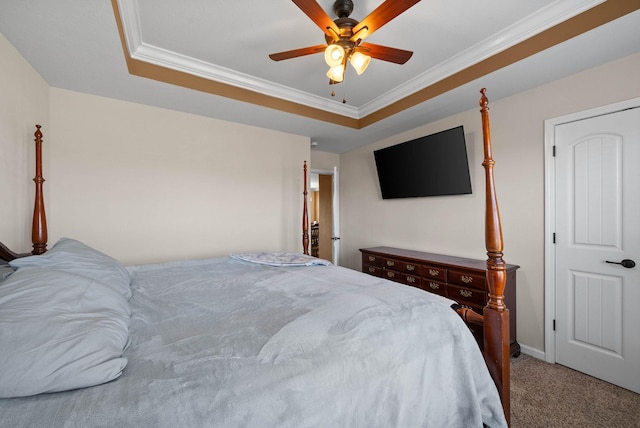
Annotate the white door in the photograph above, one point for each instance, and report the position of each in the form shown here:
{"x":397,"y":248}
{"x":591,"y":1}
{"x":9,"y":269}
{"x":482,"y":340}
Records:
{"x":597,"y":207}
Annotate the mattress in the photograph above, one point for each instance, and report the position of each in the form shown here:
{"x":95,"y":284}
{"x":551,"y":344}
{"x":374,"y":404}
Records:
{"x":228,"y":343}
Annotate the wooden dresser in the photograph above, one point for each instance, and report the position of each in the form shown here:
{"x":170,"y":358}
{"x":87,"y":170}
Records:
{"x":458,"y":278}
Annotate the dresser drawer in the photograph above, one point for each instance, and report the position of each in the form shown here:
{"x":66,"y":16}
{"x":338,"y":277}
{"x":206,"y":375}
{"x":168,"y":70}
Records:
{"x":372,"y":270}
{"x":467,"y":279}
{"x":434,"y":272}
{"x":388,"y":263}
{"x":469,"y":296}
{"x":393,"y":275}
{"x":436,"y":287}
{"x":407,"y":278}
{"x":410,"y":267}
{"x":371,"y":260}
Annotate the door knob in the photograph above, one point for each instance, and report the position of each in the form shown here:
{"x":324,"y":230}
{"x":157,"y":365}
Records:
{"x":625,"y":263}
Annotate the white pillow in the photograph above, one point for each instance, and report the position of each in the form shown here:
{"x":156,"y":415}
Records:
{"x":73,"y":256}
{"x":59,"y":331}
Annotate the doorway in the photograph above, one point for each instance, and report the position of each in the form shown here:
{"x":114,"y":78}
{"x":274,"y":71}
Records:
{"x":592,"y":282}
{"x":324,"y":214}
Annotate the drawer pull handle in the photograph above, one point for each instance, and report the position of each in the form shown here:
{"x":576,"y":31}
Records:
{"x":391,"y":274}
{"x":434,"y":272}
{"x":411,"y":279}
{"x":372,"y":269}
{"x":391,"y":263}
{"x":434,"y":286}
{"x":372,"y":258}
{"x":411,"y":268}
{"x":466,"y":279}
{"x":466,"y":293}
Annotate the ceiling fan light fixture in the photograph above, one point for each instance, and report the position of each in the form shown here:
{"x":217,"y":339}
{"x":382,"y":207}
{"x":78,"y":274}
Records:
{"x":336,"y":73}
{"x":334,"y":55}
{"x":344,"y":36}
{"x":359,"y":61}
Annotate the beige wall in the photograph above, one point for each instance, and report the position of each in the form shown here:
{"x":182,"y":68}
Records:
{"x":324,"y":161}
{"x":147,"y":184}
{"x":24,"y":102}
{"x":141,"y":183}
{"x":455,"y":224}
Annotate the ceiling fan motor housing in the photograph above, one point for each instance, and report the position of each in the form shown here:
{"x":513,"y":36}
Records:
{"x":343,"y":8}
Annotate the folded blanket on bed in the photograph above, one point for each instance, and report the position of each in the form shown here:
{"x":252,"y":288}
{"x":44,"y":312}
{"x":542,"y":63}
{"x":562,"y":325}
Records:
{"x":280,"y":259}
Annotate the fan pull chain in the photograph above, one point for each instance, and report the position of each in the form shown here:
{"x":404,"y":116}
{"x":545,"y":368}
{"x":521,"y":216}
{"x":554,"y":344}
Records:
{"x":344,"y":93}
{"x":344,"y":97}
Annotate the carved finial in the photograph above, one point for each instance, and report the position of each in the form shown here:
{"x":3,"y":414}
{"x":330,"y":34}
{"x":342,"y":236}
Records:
{"x":484,"y":101}
{"x":305,"y":181}
{"x":38,"y":133}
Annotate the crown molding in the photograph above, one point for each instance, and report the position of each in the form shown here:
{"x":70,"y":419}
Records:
{"x":175,"y":61}
{"x":543,"y":19}
{"x":141,"y":51}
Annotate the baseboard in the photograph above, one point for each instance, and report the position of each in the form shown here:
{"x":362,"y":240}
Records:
{"x":536,"y":353}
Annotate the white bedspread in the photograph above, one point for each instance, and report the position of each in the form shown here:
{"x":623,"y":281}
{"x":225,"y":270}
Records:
{"x":226,"y":343}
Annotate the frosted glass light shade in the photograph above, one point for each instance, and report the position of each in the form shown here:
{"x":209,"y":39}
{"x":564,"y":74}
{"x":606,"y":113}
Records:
{"x":336,"y":73}
{"x":334,"y":55}
{"x":359,"y":61}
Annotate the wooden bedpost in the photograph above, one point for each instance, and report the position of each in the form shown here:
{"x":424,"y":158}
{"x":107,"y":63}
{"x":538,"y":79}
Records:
{"x":496,"y":314}
{"x":39,"y":228}
{"x":305,"y":215}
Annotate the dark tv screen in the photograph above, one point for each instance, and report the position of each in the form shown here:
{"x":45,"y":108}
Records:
{"x":434,"y":165}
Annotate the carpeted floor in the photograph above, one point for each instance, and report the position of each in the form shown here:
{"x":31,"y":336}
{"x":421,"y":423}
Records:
{"x":550,"y":395}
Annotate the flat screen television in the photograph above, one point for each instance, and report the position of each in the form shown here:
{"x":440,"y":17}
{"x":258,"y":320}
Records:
{"x":434,"y":165}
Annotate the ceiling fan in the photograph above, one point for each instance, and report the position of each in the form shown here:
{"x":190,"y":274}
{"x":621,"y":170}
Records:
{"x":344,"y":36}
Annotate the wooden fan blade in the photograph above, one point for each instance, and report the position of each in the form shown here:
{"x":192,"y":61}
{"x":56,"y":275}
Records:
{"x":297,"y":52}
{"x":385,"y":53}
{"x":380,"y":16}
{"x":313,"y":10}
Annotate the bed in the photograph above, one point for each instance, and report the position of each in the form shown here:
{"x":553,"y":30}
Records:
{"x":248,"y":340}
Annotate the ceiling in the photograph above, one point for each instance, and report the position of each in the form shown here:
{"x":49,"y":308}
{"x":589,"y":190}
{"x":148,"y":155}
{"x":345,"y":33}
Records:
{"x":211,"y":57}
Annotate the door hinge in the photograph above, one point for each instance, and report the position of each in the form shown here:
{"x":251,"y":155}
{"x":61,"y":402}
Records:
{"x":554,"y":151}
{"x":554,"y":325}
{"x":554,"y":237}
